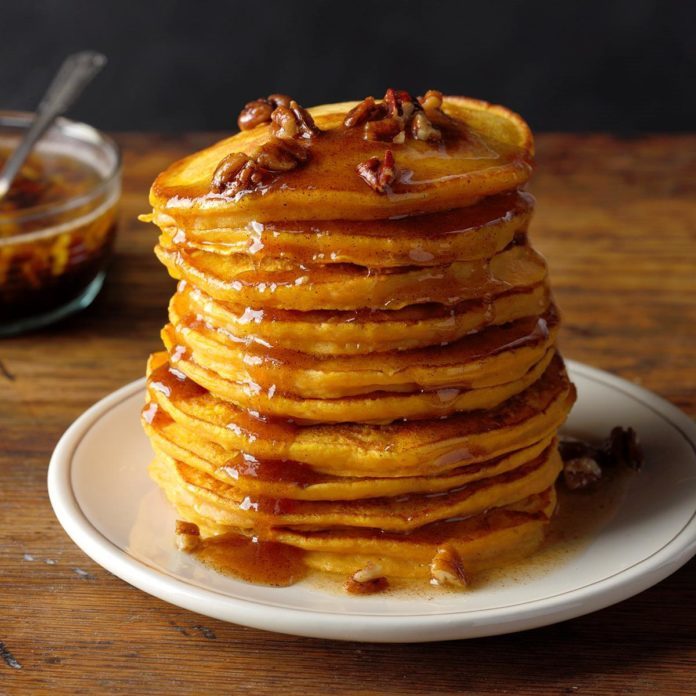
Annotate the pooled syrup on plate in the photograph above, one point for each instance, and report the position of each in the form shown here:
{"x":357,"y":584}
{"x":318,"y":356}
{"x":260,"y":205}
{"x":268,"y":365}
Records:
{"x":252,"y":560}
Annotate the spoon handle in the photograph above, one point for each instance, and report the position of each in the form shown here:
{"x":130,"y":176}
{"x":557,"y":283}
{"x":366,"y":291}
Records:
{"x":76,"y":72}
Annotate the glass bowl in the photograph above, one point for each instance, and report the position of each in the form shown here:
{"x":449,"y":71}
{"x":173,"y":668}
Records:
{"x":58,"y":222}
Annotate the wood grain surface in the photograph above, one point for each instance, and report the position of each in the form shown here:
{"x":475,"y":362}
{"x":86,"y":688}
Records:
{"x":617,"y":221}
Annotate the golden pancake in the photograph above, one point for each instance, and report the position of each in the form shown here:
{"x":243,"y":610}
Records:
{"x":274,"y":283}
{"x":476,"y":232}
{"x":225,"y":505}
{"x":287,"y":479}
{"x":401,"y":449}
{"x":362,"y":332}
{"x":378,"y":407}
{"x":487,"y":150}
{"x":485,"y":358}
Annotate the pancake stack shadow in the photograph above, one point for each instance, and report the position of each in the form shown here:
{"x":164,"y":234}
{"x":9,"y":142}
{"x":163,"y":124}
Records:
{"x":374,"y":398}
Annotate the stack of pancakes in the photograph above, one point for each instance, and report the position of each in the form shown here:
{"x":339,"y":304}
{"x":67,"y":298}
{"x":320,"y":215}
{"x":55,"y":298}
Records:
{"x":366,"y":378}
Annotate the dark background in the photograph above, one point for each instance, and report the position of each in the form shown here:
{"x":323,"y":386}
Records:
{"x":623,"y":66}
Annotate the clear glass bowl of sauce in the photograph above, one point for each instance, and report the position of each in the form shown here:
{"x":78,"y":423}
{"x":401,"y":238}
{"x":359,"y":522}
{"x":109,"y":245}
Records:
{"x":57,"y":222}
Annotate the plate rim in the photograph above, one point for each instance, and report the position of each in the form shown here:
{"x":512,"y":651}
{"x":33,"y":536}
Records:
{"x":364,"y":626}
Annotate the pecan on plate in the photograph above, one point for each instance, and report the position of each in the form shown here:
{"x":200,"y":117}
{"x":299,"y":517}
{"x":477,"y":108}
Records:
{"x":378,"y":174}
{"x":446,"y":568}
{"x":367,"y":580}
{"x":623,"y":449}
{"x":581,"y":472}
{"x":187,"y":536}
{"x":259,"y":111}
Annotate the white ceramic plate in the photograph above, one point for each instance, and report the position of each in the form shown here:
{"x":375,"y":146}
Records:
{"x":104,"y":499}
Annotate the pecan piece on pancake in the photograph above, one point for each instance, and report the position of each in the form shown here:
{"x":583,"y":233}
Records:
{"x":422,"y":129}
{"x":398,"y":114}
{"x":446,"y":568}
{"x":187,"y":536}
{"x":431,"y":100}
{"x":386,"y":129}
{"x":259,"y":111}
{"x":238,"y":172}
{"x":378,"y":174}
{"x":367,"y":580}
{"x":293,"y":121}
{"x":400,"y":103}
{"x":366,"y":110}
{"x":280,"y":155}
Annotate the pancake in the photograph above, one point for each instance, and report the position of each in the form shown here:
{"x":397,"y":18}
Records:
{"x":481,"y":359}
{"x":361,"y":373}
{"x":424,"y":447}
{"x":275,"y":283}
{"x":361,"y":332}
{"x":227,"y":506}
{"x":376,"y":407}
{"x":297,"y":481}
{"x":463,"y":234}
{"x":488,"y":150}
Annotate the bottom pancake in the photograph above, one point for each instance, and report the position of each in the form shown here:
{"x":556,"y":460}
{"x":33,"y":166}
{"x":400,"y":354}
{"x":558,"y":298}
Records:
{"x":281,"y":556}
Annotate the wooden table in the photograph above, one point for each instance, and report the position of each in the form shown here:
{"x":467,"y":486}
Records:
{"x":617,"y":221}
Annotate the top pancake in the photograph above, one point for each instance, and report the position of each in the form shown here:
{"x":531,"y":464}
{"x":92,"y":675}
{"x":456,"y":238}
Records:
{"x":486,"y":150}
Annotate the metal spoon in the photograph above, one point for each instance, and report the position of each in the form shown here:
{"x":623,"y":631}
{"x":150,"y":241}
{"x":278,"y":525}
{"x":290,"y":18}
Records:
{"x":74,"y":75}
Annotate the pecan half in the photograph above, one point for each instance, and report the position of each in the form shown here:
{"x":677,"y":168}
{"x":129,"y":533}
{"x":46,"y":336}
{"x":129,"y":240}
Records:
{"x":422,"y":129}
{"x":432,"y":100}
{"x":227,"y":170}
{"x":581,"y":473}
{"x":187,"y":536}
{"x":623,"y":449}
{"x":367,"y":580}
{"x":308,"y":129}
{"x":280,"y":155}
{"x":377,"y":174}
{"x":293,"y":121}
{"x":238,"y":172}
{"x":400,"y":103}
{"x":254,"y":113}
{"x":385,"y":129}
{"x":259,"y":111}
{"x":366,"y":110}
{"x":446,"y":568}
